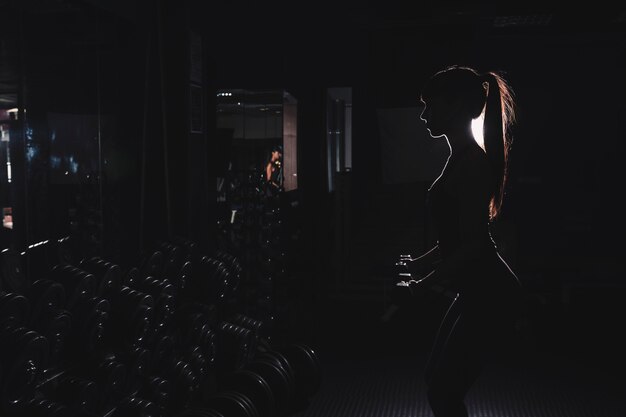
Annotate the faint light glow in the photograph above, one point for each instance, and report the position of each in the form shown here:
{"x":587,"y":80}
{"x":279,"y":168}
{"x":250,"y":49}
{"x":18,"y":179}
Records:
{"x":8,"y":150}
{"x":53,"y":136}
{"x":4,"y":133}
{"x":477,"y":130}
{"x":31,"y":153}
{"x":55,"y":161}
{"x":73,"y":165}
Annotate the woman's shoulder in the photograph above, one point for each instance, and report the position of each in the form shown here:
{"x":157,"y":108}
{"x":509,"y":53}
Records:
{"x":472,"y":158}
{"x":472,"y":166}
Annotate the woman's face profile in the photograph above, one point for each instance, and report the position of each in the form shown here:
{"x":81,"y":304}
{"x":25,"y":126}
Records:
{"x":433,"y":115}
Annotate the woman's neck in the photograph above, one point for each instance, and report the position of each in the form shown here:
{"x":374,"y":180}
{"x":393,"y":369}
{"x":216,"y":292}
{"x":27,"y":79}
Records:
{"x":460,"y":139}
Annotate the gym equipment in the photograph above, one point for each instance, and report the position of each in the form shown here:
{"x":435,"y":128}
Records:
{"x":108,"y":275}
{"x":28,"y":353}
{"x":14,"y":309}
{"x":136,"y":407}
{"x":306,"y":367}
{"x":13,"y":276}
{"x":233,"y":404}
{"x":253,"y":386}
{"x":79,"y":285}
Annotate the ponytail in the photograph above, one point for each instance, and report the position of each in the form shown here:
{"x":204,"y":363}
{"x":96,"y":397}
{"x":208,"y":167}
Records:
{"x":499,"y":114}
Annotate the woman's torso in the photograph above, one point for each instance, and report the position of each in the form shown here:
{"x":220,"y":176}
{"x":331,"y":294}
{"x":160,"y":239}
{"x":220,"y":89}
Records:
{"x":486,"y":274}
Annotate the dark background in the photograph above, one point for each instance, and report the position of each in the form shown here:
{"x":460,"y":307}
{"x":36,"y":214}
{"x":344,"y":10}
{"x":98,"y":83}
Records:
{"x":122,"y":71}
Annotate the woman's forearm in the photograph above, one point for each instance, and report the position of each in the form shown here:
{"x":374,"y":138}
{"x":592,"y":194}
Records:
{"x":430,"y":254}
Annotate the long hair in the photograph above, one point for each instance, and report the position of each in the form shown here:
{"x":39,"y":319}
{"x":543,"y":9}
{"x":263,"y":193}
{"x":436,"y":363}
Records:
{"x":476,"y":92}
{"x":499,"y":116}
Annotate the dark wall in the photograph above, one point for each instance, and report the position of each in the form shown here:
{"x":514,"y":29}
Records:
{"x":561,"y":212}
{"x":104,"y":149}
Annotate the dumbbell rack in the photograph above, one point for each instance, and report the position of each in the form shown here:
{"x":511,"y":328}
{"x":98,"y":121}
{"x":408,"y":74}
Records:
{"x":193,"y":306}
{"x":256,"y":227}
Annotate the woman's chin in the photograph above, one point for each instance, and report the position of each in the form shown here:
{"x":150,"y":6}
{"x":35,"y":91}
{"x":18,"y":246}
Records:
{"x":434,"y":134}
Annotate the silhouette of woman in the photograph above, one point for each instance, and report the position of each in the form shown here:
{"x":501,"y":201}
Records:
{"x":273,"y":172}
{"x":463,"y":201}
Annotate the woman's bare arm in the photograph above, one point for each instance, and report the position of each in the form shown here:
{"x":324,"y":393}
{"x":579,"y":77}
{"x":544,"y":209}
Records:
{"x":268,"y":171}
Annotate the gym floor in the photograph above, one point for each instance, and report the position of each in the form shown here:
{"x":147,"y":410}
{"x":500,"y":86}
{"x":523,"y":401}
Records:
{"x":553,"y":369}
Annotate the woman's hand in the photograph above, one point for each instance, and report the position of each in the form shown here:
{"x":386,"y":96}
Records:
{"x":411,"y":284}
{"x":415,"y":285}
{"x":411,"y":267}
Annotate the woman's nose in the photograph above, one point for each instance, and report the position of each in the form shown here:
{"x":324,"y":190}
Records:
{"x":424,"y":115}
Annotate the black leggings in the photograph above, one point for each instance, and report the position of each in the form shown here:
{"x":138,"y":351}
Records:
{"x":470,"y":333}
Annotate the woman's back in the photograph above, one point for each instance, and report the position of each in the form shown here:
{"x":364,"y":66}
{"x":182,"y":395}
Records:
{"x":459,"y":208}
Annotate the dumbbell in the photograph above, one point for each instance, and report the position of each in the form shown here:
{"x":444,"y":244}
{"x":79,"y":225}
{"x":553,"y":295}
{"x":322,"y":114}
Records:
{"x":183,"y":382}
{"x":236,"y":346}
{"x":45,"y":296}
{"x":174,"y":259}
{"x":198,"y":363}
{"x":152,"y":265}
{"x":91,"y":318}
{"x":108,"y":275}
{"x":56,"y":328}
{"x":78,"y":284}
{"x":277,"y":379}
{"x":196,"y":323}
{"x":131,"y":314}
{"x":257,"y":326}
{"x":307,"y":369}
{"x":158,"y":391}
{"x":229,"y":260}
{"x":233,"y":404}
{"x":136,"y":407}
{"x":131,"y":277}
{"x":26,"y":354}
{"x":14,"y":278}
{"x":208,"y":285}
{"x":14,"y":308}
{"x":42,"y":407}
{"x":155,"y":286}
{"x":253,"y":386}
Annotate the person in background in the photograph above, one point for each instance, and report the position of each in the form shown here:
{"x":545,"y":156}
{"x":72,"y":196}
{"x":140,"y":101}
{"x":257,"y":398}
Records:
{"x":274,"y":171}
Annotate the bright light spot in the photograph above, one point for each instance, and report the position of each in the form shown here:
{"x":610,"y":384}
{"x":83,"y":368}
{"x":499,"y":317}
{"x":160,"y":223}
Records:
{"x":477,"y":130}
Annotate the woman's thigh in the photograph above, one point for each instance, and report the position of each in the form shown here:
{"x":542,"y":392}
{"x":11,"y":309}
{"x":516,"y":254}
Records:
{"x":466,"y":341}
